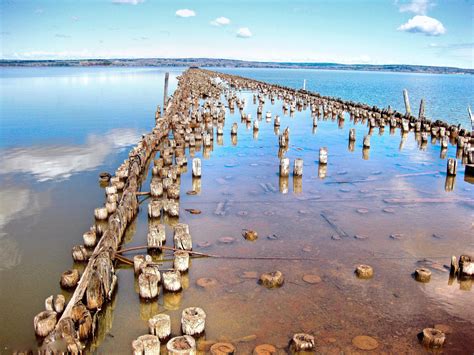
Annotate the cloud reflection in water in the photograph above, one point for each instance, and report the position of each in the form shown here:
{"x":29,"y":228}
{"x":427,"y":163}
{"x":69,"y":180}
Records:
{"x":60,"y":162}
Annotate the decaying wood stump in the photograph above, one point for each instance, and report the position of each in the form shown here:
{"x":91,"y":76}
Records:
{"x":156,"y":236}
{"x":181,"y":261}
{"x":69,"y":278}
{"x":422,"y":275}
{"x":298,"y":167}
{"x":172,"y":281}
{"x":82,"y":317}
{"x":146,"y":345}
{"x":302,"y":342}
{"x":323,"y":155}
{"x":197,"y":167}
{"x":222,"y":349}
{"x":160,"y":325}
{"x":148,"y":285}
{"x":433,"y":338}
{"x":183,"y":345}
{"x":364,"y":271}
{"x":44,"y":323}
{"x":193,"y":321}
{"x":272,"y":279}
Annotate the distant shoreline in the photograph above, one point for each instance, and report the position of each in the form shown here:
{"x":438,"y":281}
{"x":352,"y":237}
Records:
{"x":231,"y":63}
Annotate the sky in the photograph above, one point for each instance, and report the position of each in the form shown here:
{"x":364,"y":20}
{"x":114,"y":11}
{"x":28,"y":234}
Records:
{"x":421,"y":32}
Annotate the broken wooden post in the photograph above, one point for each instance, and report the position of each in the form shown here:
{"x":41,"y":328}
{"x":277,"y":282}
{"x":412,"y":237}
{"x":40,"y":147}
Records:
{"x":302,"y":342}
{"x":165,"y":92}
{"x":44,"y":323}
{"x":172,"y":281}
{"x":323,"y":155}
{"x":156,"y":236}
{"x":277,"y":121}
{"x":421,"y":113}
{"x":407,"y":103}
{"x":352,"y":135}
{"x":148,"y":285}
{"x":364,"y":271}
{"x":422,"y":275}
{"x":433,"y":338}
{"x":182,"y":345}
{"x":284,"y":167}
{"x":298,"y":167}
{"x":181,"y":260}
{"x":366,"y":142}
{"x":69,"y":278}
{"x":471,"y":116}
{"x":160,"y":325}
{"x":234,"y":128}
{"x":197,"y":167}
{"x":193,"y":321}
{"x":146,"y":345}
{"x":452,"y":166}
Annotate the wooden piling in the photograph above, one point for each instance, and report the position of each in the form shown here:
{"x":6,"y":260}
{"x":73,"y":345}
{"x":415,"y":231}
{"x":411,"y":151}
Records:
{"x":407,"y":103}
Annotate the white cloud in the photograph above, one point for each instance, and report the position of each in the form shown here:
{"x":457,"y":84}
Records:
{"x":419,"y":7}
{"x":423,"y":24}
{"x":220,"y":21}
{"x":127,"y":2}
{"x":185,"y":13}
{"x":75,"y":18}
{"x":244,"y":32}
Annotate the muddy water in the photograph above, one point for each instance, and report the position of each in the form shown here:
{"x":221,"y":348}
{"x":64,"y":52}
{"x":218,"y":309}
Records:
{"x":361,"y":195}
{"x":357,"y":195}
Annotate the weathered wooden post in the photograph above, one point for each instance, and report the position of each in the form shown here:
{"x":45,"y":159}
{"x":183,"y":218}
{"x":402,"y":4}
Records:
{"x":172,"y":281}
{"x":148,"y":285}
{"x":302,"y":342}
{"x":298,"y":167}
{"x":352,"y":135}
{"x":165,"y":93}
{"x":421,"y":113}
{"x":366,"y":142}
{"x":193,"y":321}
{"x":181,"y":260}
{"x":471,"y":116}
{"x":323,"y":155}
{"x":196,"y":167}
{"x":160,"y":325}
{"x":452,"y":166}
{"x":146,"y":345}
{"x":284,"y":167}
{"x":407,"y":102}
{"x":182,"y":345}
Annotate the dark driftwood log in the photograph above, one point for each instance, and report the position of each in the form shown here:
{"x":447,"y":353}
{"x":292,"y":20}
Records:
{"x":82,"y":317}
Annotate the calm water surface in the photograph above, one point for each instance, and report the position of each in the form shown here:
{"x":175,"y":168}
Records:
{"x":61,"y":127}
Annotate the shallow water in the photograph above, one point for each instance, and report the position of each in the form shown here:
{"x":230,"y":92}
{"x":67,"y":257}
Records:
{"x":52,"y":189}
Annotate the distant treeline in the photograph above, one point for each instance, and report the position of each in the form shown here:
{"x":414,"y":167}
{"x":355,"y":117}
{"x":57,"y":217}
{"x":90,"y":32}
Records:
{"x":230,"y":63}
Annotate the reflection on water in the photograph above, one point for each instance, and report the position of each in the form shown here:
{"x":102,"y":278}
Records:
{"x":60,"y":162}
{"x":16,"y":202}
{"x":240,"y":181}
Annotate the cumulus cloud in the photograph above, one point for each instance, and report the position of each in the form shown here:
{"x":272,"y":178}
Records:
{"x":423,"y":24}
{"x":185,"y":13}
{"x":244,"y":32}
{"x":419,"y":7}
{"x":127,"y":2}
{"x":220,"y":21}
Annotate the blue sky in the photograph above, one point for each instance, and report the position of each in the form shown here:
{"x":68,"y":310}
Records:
{"x":427,"y":32}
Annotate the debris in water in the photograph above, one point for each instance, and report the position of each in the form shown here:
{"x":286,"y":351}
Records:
{"x":362,"y":210}
{"x":273,"y":237}
{"x":242,"y":213}
{"x":204,"y":244}
{"x":397,"y":236}
{"x":192,"y":193}
{"x":360,"y":237}
{"x":192,"y":210}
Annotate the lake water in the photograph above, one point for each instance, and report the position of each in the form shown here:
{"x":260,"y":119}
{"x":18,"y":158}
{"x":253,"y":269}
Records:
{"x":60,"y":127}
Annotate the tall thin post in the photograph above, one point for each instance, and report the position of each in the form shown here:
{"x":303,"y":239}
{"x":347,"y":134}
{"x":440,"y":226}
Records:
{"x":470,"y":116}
{"x":421,"y":114}
{"x":304,"y":84}
{"x":407,"y":102}
{"x":165,"y":95}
